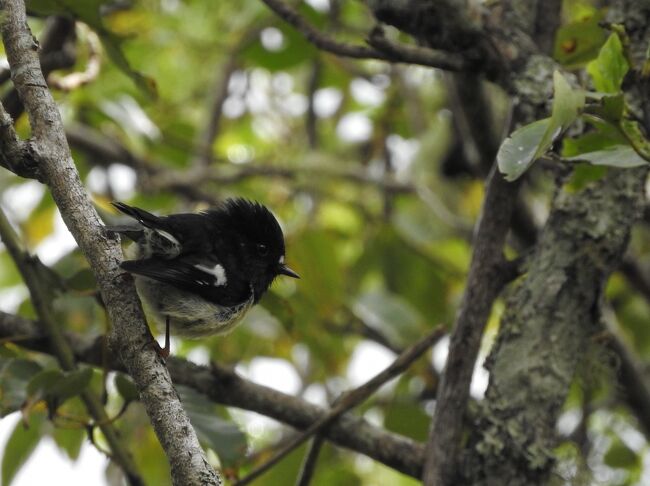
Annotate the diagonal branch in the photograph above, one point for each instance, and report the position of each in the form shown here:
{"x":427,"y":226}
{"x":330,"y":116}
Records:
{"x":16,"y":155}
{"x":31,"y":273}
{"x":349,"y":400}
{"x":484,"y":283}
{"x":224,"y":386}
{"x":383,"y":49}
{"x":130,"y":335}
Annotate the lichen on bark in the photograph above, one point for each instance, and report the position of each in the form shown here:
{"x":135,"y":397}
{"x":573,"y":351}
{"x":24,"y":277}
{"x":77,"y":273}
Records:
{"x":550,"y":318}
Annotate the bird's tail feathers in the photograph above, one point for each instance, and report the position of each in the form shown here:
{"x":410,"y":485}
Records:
{"x":143,"y":217}
{"x":132,"y":232}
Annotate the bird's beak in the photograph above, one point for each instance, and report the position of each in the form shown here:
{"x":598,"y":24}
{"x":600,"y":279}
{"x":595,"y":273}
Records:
{"x":284,"y":270}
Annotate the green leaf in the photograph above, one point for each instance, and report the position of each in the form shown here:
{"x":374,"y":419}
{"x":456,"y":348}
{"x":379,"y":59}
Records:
{"x":622,"y":156}
{"x":126,"y":388}
{"x":583,"y":175}
{"x":69,"y":440}
{"x":42,"y":382}
{"x":9,"y":275}
{"x":39,"y":225}
{"x":81,"y":281}
{"x":621,"y":456}
{"x":19,"y":447}
{"x":530,"y":142}
{"x":635,"y":134}
{"x":579,"y":41}
{"x":221,"y":435}
{"x":604,"y":135}
{"x":72,"y":384}
{"x":55,"y":386}
{"x":112,"y":44}
{"x":589,"y":142}
{"x":15,"y":374}
{"x":391,"y":315}
{"x":567,"y":104}
{"x":610,"y":67}
{"x":613,"y":108}
{"x":517,"y":152}
{"x":408,"y":419}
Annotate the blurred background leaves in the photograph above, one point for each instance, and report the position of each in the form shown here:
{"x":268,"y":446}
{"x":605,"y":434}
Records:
{"x":197,"y":101}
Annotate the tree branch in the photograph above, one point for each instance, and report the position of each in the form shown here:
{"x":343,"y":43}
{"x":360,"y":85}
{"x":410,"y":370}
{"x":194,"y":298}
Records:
{"x":130,"y":336}
{"x":350,"y":399}
{"x":484,"y":284}
{"x":156,"y":177}
{"x":57,"y":51}
{"x":549,"y":321}
{"x":32,"y":272}
{"x":484,"y":281}
{"x":16,"y":155}
{"x":203,"y":146}
{"x":224,"y":386}
{"x":383,"y":49}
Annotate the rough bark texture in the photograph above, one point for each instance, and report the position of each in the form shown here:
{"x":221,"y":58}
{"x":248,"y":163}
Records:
{"x":226,"y":387}
{"x":130,"y":335}
{"x":546,"y":329}
{"x":527,"y":74}
{"x":554,"y":312}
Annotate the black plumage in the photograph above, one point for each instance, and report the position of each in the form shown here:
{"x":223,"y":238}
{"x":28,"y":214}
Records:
{"x":202,"y":271}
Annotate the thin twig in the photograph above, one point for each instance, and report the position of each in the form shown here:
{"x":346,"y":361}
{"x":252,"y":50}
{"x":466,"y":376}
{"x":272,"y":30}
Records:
{"x":309,"y":464}
{"x":155,"y":177}
{"x":76,"y":79}
{"x":350,"y":399}
{"x":392,"y":53}
{"x":203,"y":146}
{"x":313,"y":81}
{"x":170,"y":179}
{"x":222,"y":385}
{"x":16,"y":154}
{"x":414,"y":54}
{"x":56,"y":51}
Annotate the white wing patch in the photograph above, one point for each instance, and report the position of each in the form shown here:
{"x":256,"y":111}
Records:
{"x":281,"y":260}
{"x":217,"y":271}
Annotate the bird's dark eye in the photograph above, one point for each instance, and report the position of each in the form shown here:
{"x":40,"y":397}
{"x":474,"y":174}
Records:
{"x":262,"y":249}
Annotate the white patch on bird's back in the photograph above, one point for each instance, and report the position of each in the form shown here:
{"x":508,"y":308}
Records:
{"x":281,"y":260}
{"x":217,"y":271}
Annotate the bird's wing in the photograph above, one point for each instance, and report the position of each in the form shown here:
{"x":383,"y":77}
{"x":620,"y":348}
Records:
{"x":145,"y":218}
{"x":162,"y":239}
{"x":202,"y":276}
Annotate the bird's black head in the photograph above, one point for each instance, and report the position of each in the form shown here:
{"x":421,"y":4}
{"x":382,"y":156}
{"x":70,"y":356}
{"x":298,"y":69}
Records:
{"x":256,"y":239}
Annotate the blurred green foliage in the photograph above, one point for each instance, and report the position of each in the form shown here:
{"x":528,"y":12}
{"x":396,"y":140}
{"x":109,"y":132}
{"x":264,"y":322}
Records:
{"x":379,"y":235}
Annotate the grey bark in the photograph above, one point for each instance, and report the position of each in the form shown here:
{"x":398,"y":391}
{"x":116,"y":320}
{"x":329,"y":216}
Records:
{"x":226,"y":387}
{"x":130,"y":334}
{"x":546,"y":330}
{"x":555,"y":311}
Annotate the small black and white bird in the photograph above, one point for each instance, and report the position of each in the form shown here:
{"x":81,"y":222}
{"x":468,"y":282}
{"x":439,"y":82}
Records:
{"x":201,"y":272}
